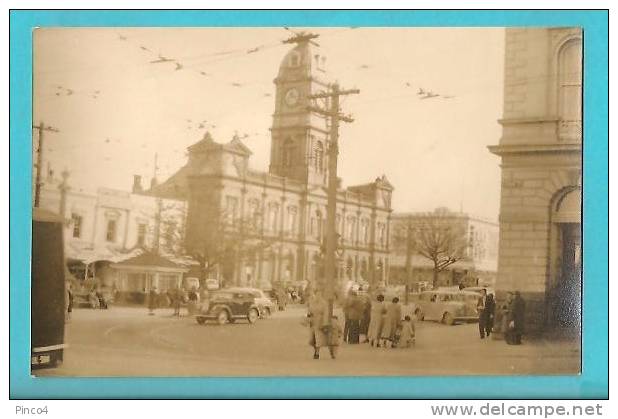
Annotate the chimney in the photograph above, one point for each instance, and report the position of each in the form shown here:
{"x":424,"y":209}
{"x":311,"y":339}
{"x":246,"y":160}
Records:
{"x":137,"y":184}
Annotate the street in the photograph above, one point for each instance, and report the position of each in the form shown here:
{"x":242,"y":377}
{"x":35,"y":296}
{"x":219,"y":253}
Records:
{"x":125,"y":341}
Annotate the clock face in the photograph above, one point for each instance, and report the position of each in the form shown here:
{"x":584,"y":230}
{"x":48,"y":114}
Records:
{"x":291,"y":97}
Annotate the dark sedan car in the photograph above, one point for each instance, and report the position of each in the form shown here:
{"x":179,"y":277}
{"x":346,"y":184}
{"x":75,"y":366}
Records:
{"x":227,"y":306}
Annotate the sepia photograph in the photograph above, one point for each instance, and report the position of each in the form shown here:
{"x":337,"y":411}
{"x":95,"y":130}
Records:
{"x":306,"y":201}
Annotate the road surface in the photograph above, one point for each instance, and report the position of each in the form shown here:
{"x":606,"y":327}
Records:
{"x":128,"y":342}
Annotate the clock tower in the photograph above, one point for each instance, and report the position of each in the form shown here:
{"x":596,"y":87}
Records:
{"x":299,"y":136}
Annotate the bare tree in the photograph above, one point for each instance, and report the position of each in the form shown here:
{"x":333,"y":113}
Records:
{"x":441,"y":241}
{"x":166,"y":227}
{"x":222,"y":238}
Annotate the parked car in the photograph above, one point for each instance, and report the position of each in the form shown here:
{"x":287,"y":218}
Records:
{"x":278,"y":297}
{"x":85,"y":298}
{"x":212,"y":284}
{"x":85,"y":295}
{"x":265,"y":305}
{"x":227,"y":306}
{"x":447,"y":306}
{"x":478,"y":290}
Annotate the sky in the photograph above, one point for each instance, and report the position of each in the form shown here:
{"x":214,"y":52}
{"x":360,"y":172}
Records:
{"x":115,"y":108}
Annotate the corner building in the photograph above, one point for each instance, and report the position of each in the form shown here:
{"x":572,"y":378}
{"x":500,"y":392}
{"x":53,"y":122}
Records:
{"x":290,"y":199}
{"x":541,"y":151}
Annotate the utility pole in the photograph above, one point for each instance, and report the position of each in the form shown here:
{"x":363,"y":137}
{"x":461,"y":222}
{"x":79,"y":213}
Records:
{"x":39,"y":160}
{"x":409,"y":248}
{"x":333,"y":151}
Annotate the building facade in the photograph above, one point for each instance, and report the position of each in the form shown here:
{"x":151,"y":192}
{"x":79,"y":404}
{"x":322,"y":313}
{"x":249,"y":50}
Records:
{"x":541,"y":151}
{"x":478,"y":249}
{"x":108,"y":226}
{"x":287,"y":204}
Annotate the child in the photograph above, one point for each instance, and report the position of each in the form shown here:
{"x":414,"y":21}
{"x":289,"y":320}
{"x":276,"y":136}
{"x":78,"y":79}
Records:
{"x":408,"y":332}
{"x":397,"y":336}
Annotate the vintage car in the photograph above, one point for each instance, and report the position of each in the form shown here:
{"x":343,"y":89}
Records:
{"x":479,"y":288}
{"x":227,"y":306}
{"x":265,"y":305}
{"x":87,"y":294}
{"x":447,"y":306}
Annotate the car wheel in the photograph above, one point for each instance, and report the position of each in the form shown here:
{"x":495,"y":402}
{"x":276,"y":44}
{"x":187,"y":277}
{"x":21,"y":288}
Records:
{"x":419,"y":315}
{"x":253,"y":315}
{"x":267,"y":312}
{"x":448,"y":319}
{"x":223,"y":317}
{"x":200,"y":319}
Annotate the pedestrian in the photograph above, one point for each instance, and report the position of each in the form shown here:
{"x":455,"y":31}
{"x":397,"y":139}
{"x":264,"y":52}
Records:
{"x":101,"y":298}
{"x":317,"y":312}
{"x":505,"y":315}
{"x":152,"y":300}
{"x":193,"y":300}
{"x":376,"y":321}
{"x":407,"y":336}
{"x":69,"y":301}
{"x":480,"y":309}
{"x":179,"y":297}
{"x":392,"y":321}
{"x":515,"y":330}
{"x":490,"y":311}
{"x":334,"y":336}
{"x":353,"y":310}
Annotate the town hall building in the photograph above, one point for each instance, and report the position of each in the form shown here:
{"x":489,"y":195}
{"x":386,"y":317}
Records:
{"x":286,"y":204}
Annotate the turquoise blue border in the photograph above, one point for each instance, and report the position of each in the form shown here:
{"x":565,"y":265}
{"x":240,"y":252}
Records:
{"x":593,"y":383}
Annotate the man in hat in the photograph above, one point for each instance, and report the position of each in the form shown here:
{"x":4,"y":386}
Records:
{"x":515,"y":323}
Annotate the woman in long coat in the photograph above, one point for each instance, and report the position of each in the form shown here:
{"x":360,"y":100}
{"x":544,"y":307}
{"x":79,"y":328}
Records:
{"x":376,"y":322}
{"x":391,"y":322}
{"x":366,"y":318}
{"x":318,"y":318}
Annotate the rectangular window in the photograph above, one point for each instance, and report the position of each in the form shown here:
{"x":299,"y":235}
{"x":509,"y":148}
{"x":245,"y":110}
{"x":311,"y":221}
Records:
{"x":141,"y":234}
{"x":110,"y":234}
{"x":77,"y":225}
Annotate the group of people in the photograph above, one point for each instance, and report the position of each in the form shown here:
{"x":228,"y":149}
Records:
{"x":380,"y":323}
{"x":386,"y":328}
{"x":175,"y":298}
{"x":512,"y":316}
{"x":383,"y":325}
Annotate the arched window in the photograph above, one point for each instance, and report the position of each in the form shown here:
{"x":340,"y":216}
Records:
{"x":363,"y":231}
{"x":273,"y":216}
{"x":320,"y":224}
{"x":351,"y":227}
{"x":570,"y":89}
{"x":319,"y":156}
{"x":288,"y":152}
{"x":292,"y":211}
